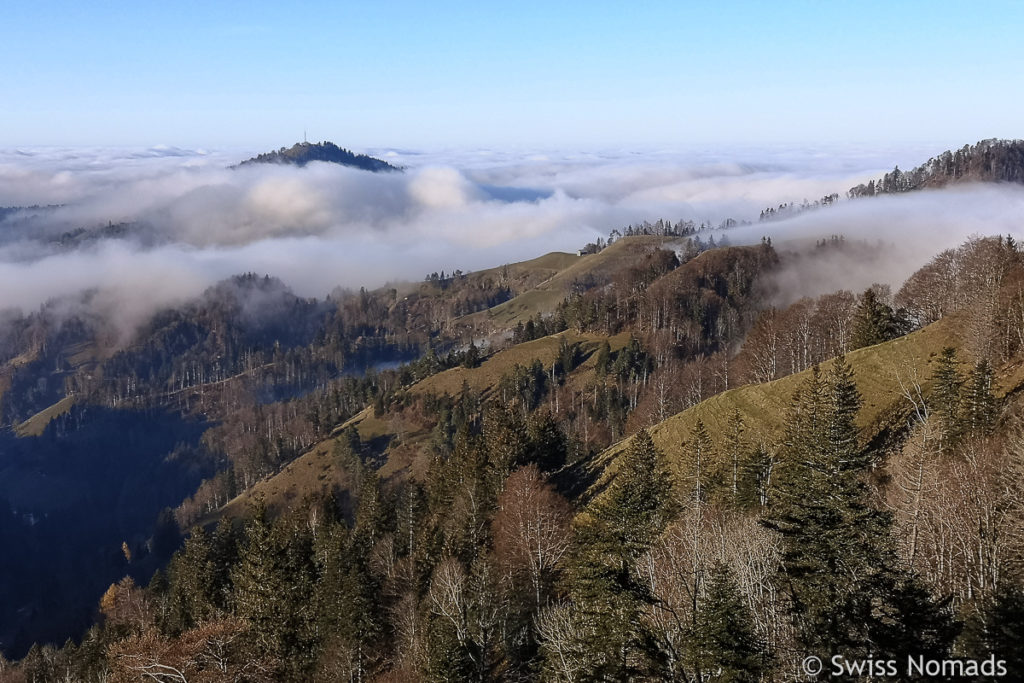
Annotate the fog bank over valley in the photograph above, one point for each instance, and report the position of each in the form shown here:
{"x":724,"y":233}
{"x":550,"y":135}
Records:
{"x":145,"y":228}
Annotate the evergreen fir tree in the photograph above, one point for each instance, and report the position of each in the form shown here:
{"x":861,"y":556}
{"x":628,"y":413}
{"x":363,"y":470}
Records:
{"x":847,"y":588}
{"x":733,"y":450}
{"x":472,"y":357}
{"x":725,"y":647}
{"x":258,"y":578}
{"x":756,"y":477}
{"x":548,"y":446}
{"x":604,"y":359}
{"x":192,"y":583}
{"x":505,"y":439}
{"x":947,"y":397}
{"x":873,"y":322}
{"x":698,"y":452}
{"x":347,"y":597}
{"x":607,"y":592}
{"x":980,"y":403}
{"x":273,"y":584}
{"x":1001,"y":630}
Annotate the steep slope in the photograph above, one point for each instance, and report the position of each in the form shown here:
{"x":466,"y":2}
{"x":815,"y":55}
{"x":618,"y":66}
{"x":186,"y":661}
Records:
{"x":882,"y":373}
{"x":583,"y":272}
{"x":398,"y":441}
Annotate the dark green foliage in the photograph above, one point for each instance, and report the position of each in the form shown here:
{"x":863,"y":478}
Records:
{"x":947,"y":398}
{"x":548,"y":447}
{"x":699,"y":453}
{"x":505,"y":438}
{"x":998,"y":629}
{"x":724,"y":646}
{"x":347,"y":596}
{"x":875,"y":322}
{"x":273,"y":584}
{"x":538,"y":326}
{"x":980,"y":407}
{"x":755,"y":477}
{"x":823,"y":509}
{"x":568,"y":358}
{"x":639,"y":503}
{"x":472,"y":357}
{"x":604,"y":359}
{"x":524,"y":386}
{"x":734,"y":447}
{"x":192,"y":587}
{"x":607,"y":591}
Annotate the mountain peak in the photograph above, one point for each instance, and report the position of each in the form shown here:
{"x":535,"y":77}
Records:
{"x":301,"y":153}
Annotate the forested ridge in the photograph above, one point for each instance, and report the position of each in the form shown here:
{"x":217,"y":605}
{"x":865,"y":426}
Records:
{"x":986,"y":161}
{"x":633,"y":463}
{"x":302,"y":153}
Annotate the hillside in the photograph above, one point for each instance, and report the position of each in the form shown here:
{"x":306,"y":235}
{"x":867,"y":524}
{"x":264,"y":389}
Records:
{"x":579,"y":273}
{"x":302,"y":153}
{"x":392,"y":424}
{"x":988,"y":161}
{"x":879,"y":371}
{"x":398,"y":441}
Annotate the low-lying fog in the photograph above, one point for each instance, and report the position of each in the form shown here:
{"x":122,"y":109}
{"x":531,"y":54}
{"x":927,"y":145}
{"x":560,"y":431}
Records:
{"x":193,"y":221}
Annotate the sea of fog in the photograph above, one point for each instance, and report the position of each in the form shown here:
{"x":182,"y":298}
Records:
{"x":190,"y":220}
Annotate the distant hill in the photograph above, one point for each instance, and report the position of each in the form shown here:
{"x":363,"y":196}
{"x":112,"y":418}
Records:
{"x":989,"y":161}
{"x":301,"y":153}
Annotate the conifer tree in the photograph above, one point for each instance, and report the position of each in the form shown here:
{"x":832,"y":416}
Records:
{"x":347,"y":597}
{"x":756,"y":477}
{"x":980,"y":403}
{"x":472,"y":357}
{"x":847,"y":588}
{"x":604,"y":359}
{"x":505,"y":439}
{"x":192,"y":582}
{"x":371,"y":511}
{"x":1001,"y":630}
{"x":733,"y":450}
{"x":273,"y":584}
{"x":698,"y":452}
{"x":947,"y":398}
{"x":548,"y":446}
{"x":873,"y":322}
{"x":259,"y":583}
{"x":607,"y":591}
{"x":725,"y":647}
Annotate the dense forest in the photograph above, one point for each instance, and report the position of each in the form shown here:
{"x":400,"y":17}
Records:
{"x":633,"y":463}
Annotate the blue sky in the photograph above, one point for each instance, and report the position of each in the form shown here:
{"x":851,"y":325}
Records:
{"x":509,"y":75}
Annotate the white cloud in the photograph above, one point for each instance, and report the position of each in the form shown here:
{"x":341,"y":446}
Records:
{"x":321,"y":226}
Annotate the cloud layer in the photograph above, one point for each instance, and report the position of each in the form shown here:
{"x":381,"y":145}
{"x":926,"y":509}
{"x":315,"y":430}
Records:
{"x":194,"y":221}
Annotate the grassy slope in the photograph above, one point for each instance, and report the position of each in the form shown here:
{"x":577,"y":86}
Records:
{"x":400,"y":442}
{"x":546,"y":296}
{"x":36,"y":425}
{"x":489,"y":373}
{"x":878,"y":371}
{"x":314,"y":472}
{"x":82,"y":356}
